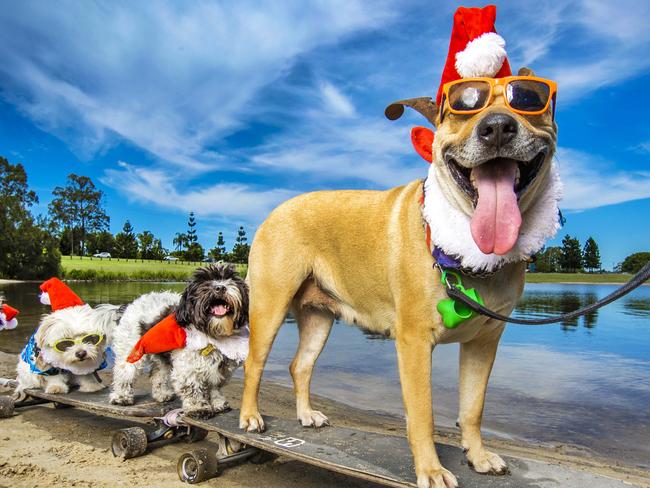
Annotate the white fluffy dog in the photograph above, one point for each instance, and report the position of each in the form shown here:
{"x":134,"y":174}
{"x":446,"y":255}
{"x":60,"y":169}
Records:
{"x":199,"y":339}
{"x":67,"y":349}
{"x":141,"y":315}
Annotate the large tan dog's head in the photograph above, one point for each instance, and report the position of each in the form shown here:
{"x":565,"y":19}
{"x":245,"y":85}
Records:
{"x":494,"y":169}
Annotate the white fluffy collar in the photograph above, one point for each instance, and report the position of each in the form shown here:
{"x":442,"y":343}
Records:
{"x":234,"y":347}
{"x":450,"y":227}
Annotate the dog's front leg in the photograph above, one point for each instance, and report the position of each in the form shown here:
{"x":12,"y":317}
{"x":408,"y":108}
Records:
{"x":414,"y":359}
{"x":56,"y":384}
{"x":88,"y":383}
{"x":218,"y":400}
{"x":195,"y":394}
{"x":476,"y":360}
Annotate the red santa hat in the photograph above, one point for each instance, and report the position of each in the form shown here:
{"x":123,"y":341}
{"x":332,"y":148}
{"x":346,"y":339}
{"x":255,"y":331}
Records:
{"x":475,"y":49}
{"x":10,"y":312}
{"x":165,"y":336}
{"x":56,"y":293}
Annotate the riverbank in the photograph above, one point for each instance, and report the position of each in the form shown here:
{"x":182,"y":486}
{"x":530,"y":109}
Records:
{"x":97,"y":269}
{"x":73,"y":449}
{"x":578,"y":278}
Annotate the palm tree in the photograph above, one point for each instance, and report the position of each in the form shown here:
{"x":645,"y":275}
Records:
{"x":180,"y":239}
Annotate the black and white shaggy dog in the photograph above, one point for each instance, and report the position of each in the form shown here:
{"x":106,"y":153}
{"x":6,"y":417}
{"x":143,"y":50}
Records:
{"x":213,"y":313}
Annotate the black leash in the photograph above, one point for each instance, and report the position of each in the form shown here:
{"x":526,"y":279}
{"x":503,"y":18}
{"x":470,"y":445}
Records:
{"x":636,"y":281}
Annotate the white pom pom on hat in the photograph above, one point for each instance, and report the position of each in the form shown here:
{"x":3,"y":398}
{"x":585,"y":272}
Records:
{"x":483,"y":56}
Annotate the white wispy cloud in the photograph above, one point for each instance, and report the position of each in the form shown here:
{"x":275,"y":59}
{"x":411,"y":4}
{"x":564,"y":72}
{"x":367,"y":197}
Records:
{"x":169,"y":80}
{"x":590,"y":182}
{"x":158,"y":187}
{"x":366,"y":149}
{"x":584,"y":45}
{"x":335,"y":101}
{"x":176,"y":82}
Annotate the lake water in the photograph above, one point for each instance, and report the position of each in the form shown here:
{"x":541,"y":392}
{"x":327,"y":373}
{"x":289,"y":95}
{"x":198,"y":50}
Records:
{"x":585,"y":383}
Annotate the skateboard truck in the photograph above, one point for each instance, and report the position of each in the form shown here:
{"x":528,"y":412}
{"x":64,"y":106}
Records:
{"x":133,"y":441}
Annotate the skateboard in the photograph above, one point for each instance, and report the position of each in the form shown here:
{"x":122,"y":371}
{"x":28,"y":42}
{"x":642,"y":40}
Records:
{"x":126,"y":443}
{"x":379,"y":458}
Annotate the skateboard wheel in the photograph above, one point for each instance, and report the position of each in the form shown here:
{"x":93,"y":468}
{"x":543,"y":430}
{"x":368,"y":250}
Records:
{"x":129,"y":443}
{"x":61,"y":406}
{"x":196,"y":434}
{"x":6,"y":407}
{"x":196,"y":466}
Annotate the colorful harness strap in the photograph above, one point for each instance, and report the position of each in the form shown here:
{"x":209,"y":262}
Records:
{"x":30,"y":353}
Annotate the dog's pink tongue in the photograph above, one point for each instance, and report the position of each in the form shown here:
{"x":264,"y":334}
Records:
{"x":219,"y":310}
{"x":496,"y":220}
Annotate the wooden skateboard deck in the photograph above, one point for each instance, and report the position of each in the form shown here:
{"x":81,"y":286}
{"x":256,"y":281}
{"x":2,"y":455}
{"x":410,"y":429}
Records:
{"x":145,"y":405}
{"x":383,"y":459}
{"x":128,"y":442}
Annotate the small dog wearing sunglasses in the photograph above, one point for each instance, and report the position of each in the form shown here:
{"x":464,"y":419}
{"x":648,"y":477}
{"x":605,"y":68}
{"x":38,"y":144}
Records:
{"x":69,"y":346}
{"x":193,"y":342}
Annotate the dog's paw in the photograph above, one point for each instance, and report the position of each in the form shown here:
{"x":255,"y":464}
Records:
{"x":437,"y":478}
{"x":91,"y":387}
{"x":486,"y":462}
{"x":163,"y":396}
{"x":251,"y":422}
{"x":220,"y":406}
{"x":57,"y":389}
{"x":313,"y":418}
{"x":120,"y":399}
{"x":200,"y":413}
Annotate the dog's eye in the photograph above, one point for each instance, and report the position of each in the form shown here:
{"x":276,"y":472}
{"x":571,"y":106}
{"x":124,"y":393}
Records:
{"x":527,"y":95}
{"x":92,"y":339}
{"x":468,"y":96}
{"x":64,"y":345}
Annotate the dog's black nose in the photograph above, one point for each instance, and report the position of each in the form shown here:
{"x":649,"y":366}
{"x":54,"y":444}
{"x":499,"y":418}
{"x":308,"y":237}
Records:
{"x":497,"y":130}
{"x":220,"y":289}
{"x":81,"y":354}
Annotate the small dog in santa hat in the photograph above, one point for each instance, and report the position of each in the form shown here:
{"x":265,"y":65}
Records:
{"x":8,"y":315}
{"x":69,"y":346}
{"x":193,"y":342}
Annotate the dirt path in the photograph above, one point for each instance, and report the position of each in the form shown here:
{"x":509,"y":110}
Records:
{"x":43,"y":447}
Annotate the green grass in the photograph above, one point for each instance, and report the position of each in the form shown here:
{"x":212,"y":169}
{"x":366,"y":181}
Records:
{"x":95,"y":269}
{"x":577,"y":277}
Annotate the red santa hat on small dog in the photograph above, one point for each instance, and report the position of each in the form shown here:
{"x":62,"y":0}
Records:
{"x":8,"y":317}
{"x":475,"y":48}
{"x":56,"y":293}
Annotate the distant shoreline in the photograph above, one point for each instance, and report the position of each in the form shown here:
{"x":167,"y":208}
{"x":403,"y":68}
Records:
{"x":123,"y":270}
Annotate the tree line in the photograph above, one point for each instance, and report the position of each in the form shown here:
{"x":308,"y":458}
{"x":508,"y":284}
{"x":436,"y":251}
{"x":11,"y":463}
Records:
{"x":76,"y":223}
{"x":78,"y":218}
{"x":569,"y":258}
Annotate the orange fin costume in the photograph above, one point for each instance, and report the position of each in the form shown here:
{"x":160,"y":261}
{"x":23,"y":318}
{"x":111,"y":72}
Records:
{"x":165,"y":336}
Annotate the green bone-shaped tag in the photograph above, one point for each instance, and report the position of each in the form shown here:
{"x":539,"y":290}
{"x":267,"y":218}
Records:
{"x":454,"y":313}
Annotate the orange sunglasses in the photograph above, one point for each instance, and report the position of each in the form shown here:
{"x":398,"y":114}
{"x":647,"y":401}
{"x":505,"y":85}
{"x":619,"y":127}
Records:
{"x":526,"y":95}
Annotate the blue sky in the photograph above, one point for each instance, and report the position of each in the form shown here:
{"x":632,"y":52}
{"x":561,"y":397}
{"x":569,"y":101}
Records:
{"x":228,"y":108}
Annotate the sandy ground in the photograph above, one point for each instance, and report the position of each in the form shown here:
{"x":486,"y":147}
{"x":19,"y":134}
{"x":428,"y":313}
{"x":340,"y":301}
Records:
{"x":67,"y":448}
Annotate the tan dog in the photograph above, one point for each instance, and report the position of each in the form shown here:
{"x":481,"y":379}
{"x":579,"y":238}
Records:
{"x":362,"y":256}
